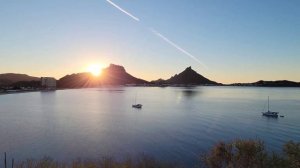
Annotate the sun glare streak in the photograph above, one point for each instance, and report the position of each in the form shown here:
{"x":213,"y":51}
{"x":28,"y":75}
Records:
{"x":94,"y":69}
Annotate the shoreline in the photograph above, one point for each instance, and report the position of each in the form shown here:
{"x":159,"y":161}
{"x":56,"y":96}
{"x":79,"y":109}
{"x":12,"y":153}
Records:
{"x":163,"y":86}
{"x":18,"y":91}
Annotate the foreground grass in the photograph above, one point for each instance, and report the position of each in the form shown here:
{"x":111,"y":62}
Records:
{"x":235,"y":154}
{"x":105,"y":162}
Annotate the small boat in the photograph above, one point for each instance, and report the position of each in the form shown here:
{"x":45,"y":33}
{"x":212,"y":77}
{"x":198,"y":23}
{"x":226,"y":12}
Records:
{"x":270,"y":113}
{"x":137,"y":106}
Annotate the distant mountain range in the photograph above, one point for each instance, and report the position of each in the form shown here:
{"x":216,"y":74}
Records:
{"x":278,"y":83}
{"x":117,"y":75}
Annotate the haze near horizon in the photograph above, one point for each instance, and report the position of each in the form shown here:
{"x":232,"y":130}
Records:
{"x":228,"y":42}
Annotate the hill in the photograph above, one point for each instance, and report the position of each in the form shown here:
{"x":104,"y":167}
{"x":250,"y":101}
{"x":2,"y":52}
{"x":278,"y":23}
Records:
{"x":79,"y":80}
{"x":8,"y":79}
{"x":112,"y":75}
{"x":117,"y":75}
{"x":187,"y":77}
{"x":278,"y":83}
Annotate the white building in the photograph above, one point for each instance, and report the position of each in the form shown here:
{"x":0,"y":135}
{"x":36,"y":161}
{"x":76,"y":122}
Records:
{"x":48,"y":82}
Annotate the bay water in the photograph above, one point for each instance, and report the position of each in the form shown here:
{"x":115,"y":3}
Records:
{"x":176,"y":124}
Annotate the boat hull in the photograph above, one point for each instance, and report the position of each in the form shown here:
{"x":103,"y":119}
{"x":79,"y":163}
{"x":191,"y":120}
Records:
{"x":270,"y":114}
{"x":137,"y":106}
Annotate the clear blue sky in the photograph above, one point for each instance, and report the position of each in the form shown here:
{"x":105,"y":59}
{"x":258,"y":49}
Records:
{"x":236,"y":40}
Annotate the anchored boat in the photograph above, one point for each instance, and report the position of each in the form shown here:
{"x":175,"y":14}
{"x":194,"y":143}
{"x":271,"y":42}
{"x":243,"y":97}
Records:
{"x":136,"y":105}
{"x":270,"y":113}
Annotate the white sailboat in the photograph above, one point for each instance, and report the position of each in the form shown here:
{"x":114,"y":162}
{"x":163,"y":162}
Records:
{"x":136,"y":105}
{"x":270,"y":113}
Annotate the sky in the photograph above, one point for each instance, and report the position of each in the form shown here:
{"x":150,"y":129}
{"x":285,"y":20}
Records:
{"x":226,"y":41}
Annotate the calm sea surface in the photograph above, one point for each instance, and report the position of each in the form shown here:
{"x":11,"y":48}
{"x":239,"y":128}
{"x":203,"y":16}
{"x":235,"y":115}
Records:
{"x":174,"y":124}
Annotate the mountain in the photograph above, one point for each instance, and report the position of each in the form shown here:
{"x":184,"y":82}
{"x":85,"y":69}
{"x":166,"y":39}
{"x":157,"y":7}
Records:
{"x":8,"y":79}
{"x":117,"y":75}
{"x":79,"y":80}
{"x":188,"y":77}
{"x":112,"y":75}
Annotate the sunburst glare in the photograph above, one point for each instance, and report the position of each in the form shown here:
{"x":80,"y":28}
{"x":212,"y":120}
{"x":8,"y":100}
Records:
{"x":95,"y":69}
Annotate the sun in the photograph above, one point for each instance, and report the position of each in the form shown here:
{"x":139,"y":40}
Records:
{"x":94,"y":69}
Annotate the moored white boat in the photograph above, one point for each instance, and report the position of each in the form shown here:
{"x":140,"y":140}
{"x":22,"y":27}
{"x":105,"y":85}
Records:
{"x":135,"y":105}
{"x":270,"y":113}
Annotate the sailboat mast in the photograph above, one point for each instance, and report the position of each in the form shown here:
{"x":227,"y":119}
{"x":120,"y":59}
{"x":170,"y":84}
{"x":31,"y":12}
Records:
{"x":268,"y":103}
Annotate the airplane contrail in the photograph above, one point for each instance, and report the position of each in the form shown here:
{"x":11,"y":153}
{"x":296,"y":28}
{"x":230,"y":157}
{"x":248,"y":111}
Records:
{"x":124,"y":11}
{"x":155,"y":32}
{"x":176,"y":46}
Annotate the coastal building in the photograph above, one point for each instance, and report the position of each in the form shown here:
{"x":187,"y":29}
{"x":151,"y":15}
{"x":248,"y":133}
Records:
{"x":48,"y":83}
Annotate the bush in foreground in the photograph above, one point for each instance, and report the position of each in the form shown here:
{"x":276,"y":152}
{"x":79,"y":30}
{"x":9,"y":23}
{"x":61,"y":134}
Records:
{"x":251,"y":154}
